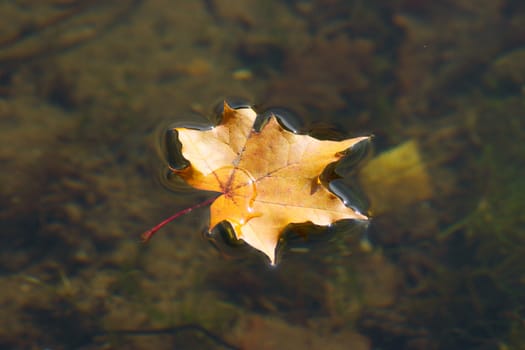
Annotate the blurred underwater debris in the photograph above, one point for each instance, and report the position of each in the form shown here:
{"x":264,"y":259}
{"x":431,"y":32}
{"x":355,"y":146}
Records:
{"x":54,"y":25}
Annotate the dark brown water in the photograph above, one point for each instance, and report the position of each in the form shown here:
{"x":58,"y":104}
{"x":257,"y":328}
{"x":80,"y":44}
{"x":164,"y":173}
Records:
{"x":88,"y":87}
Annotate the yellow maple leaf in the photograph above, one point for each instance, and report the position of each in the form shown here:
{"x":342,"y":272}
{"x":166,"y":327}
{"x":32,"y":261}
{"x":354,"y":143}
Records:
{"x":268,"y":179}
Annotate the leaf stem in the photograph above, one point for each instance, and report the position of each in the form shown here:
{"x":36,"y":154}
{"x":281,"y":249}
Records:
{"x":146,"y":236}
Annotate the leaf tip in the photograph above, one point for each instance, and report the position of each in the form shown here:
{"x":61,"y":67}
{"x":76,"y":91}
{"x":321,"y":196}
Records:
{"x":226,"y":108}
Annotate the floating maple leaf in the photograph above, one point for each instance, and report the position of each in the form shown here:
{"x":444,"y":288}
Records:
{"x":268,"y":178}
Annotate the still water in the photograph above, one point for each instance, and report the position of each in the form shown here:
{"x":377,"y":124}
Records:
{"x":88,"y":89}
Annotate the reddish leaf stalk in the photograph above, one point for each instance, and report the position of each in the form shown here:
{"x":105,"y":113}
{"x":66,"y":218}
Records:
{"x":146,"y":236}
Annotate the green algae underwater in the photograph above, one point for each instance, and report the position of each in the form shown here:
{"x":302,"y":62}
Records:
{"x":86,"y":85}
